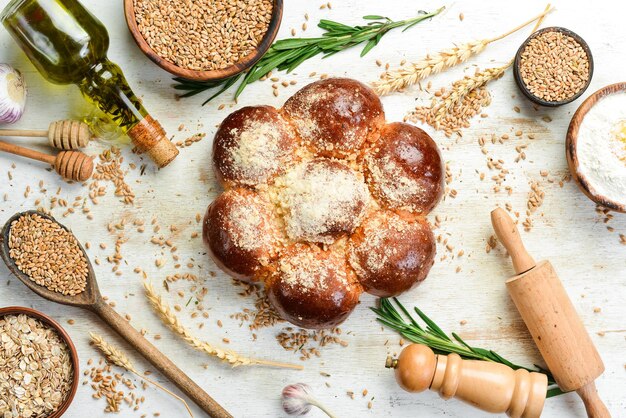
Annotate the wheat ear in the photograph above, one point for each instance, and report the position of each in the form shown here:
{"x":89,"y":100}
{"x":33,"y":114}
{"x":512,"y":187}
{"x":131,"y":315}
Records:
{"x":117,"y":357}
{"x":171,"y":320}
{"x":463,"y":87}
{"x":408,"y":75}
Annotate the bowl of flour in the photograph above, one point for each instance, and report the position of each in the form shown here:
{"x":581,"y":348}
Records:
{"x":596,"y":147}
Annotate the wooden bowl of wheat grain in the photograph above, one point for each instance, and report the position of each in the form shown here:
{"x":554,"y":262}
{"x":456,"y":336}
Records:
{"x":242,"y":64}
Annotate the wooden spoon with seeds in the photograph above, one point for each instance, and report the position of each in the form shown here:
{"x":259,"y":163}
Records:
{"x":92,"y":300}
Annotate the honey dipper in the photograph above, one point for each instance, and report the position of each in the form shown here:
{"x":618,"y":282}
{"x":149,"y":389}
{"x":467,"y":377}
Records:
{"x":62,"y":134}
{"x":92,"y":300}
{"x":71,"y":165}
{"x":551,"y":319}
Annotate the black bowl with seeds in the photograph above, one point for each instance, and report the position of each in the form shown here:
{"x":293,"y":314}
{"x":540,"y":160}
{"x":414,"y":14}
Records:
{"x":553,"y":67}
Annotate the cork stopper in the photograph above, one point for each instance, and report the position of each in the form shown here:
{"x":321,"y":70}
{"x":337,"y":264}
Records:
{"x":149,"y":137}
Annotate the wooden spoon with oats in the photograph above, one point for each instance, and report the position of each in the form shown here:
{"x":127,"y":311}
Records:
{"x":91,"y":299}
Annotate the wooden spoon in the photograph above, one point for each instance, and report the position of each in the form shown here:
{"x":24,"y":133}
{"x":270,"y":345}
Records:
{"x":91,"y":299}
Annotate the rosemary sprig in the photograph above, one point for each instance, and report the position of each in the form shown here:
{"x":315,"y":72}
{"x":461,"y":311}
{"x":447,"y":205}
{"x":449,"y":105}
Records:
{"x":287,"y":54}
{"x":433,"y":337}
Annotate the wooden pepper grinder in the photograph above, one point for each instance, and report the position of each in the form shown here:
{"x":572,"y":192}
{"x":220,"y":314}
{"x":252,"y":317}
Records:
{"x":551,"y":319}
{"x":492,"y":387}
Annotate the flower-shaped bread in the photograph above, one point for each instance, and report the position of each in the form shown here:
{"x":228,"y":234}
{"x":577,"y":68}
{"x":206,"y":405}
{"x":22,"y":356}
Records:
{"x":323,"y":200}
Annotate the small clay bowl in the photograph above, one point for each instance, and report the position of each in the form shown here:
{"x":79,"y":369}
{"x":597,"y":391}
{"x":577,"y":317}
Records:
{"x":17,"y":310}
{"x":209,"y":75}
{"x":571,"y":147}
{"x":518,"y":57}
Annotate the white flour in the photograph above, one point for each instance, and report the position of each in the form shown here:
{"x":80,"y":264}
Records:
{"x":601,"y":147}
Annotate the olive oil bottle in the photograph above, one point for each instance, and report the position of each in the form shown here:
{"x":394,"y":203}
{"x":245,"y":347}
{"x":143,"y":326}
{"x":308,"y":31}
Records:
{"x":68,"y":45}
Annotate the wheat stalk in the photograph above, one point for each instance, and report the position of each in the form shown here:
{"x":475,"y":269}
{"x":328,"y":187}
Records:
{"x":172,"y":322}
{"x":408,"y":75}
{"x":117,"y":357}
{"x":462,"y":88}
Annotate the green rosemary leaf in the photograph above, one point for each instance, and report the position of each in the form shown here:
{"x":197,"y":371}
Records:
{"x":370,"y":44}
{"x":229,"y":83}
{"x":431,"y":324}
{"x":331,"y":25}
{"x":287,"y":54}
{"x":460,"y":340}
{"x":313,"y":50}
{"x":554,"y":391}
{"x":294,"y":43}
{"x":405,"y":311}
{"x":391,"y":310}
{"x":373,"y":17}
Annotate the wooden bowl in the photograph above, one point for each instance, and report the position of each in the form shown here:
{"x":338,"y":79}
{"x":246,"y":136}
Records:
{"x":571,"y":145}
{"x":208,"y":75}
{"x":17,"y":310}
{"x":518,"y":56}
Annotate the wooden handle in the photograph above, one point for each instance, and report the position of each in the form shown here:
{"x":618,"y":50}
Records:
{"x":593,"y":404}
{"x":509,"y":237}
{"x":159,"y":360}
{"x":27,"y":152}
{"x":23,"y":132}
{"x":492,"y":387}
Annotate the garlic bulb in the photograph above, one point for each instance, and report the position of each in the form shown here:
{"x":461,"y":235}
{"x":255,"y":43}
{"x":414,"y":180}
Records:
{"x":298,"y":399}
{"x":12,"y":94}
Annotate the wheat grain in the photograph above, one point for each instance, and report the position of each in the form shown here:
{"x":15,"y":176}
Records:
{"x":117,"y":357}
{"x":409,"y":75}
{"x":171,"y":320}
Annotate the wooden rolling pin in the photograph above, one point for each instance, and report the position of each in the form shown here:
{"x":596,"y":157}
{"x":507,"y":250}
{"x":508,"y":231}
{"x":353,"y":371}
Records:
{"x":492,"y":387}
{"x":551,"y":319}
{"x":71,"y":165}
{"x":63,"y":134}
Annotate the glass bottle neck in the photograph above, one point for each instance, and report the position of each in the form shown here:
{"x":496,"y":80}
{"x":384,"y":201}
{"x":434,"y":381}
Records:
{"x":105,"y":86}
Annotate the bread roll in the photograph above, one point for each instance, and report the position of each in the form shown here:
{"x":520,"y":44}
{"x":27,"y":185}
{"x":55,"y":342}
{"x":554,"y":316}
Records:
{"x":336,"y":116}
{"x":241,"y":233}
{"x":322,"y":199}
{"x":252,"y":145}
{"x":404,"y":169}
{"x":313,"y":288}
{"x":392,"y":252}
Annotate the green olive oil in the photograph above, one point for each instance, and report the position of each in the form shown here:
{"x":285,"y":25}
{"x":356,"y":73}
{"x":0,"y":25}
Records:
{"x":68,"y":45}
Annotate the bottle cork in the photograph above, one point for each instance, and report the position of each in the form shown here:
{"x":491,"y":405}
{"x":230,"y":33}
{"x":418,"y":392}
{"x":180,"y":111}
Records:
{"x":149,"y":137}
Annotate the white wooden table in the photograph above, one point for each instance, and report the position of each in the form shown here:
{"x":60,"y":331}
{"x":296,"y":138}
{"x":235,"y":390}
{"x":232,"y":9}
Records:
{"x":568,"y":231}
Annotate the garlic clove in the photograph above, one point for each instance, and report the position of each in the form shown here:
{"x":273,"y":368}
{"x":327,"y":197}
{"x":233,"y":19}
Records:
{"x":12,"y":94}
{"x":297,"y":399}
